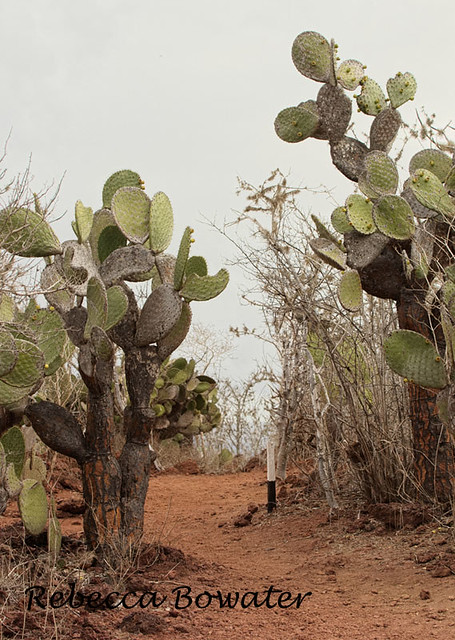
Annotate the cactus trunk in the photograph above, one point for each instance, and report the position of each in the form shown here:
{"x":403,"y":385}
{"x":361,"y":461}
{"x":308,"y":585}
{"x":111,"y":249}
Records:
{"x":434,"y":464}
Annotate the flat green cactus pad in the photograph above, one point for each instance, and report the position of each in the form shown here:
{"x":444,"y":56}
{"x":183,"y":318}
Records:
{"x":105,"y":236}
{"x":433,"y":160}
{"x":159,"y":314}
{"x":96,"y":305}
{"x":76,"y":266}
{"x":340,"y":221}
{"x":7,"y":308}
{"x":161,"y":222}
{"x":196,"y":264}
{"x":123,"y":178}
{"x":401,"y":88}
{"x":26,"y":233}
{"x":169,"y":343}
{"x":51,"y":335}
{"x":350,"y":291}
{"x":117,"y":306}
{"x":10,"y":395}
{"x":33,"y":506}
{"x":412,"y":356}
{"x":84,"y":221}
{"x":418,"y":209}
{"x":450,"y":182}
{"x":430,"y":192}
{"x":348,"y":155}
{"x":295,"y":124}
{"x":323,"y":232}
{"x":381,"y":173}
{"x":205,"y":287}
{"x":54,"y":285}
{"x":313,"y":57}
{"x":371,"y":99}
{"x":384,"y":129}
{"x":29,"y":367}
{"x":350,"y":73}
{"x":13,"y":444}
{"x":34,"y":468}
{"x":8,"y":353}
{"x":393,"y":217}
{"x":182,"y":258}
{"x":13,"y":485}
{"x":131,"y":209}
{"x":335,"y":110}
{"x":329,"y":253}
{"x":360,"y":213}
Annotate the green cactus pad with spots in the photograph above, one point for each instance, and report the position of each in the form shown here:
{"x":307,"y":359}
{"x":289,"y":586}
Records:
{"x":131,"y":210}
{"x":13,"y":485}
{"x":401,"y":88}
{"x":381,"y":173}
{"x":313,"y":57}
{"x":50,"y":332}
{"x":159,"y":314}
{"x":335,"y":110}
{"x":433,"y":160}
{"x":123,"y":178}
{"x":33,"y":506}
{"x":34,"y":468}
{"x":29,"y":367}
{"x":360,"y":214}
{"x":53,"y":283}
{"x":450,"y":181}
{"x":96,"y":305}
{"x":350,"y":290}
{"x":14,"y":448}
{"x":105,"y":236}
{"x":7,"y":308}
{"x":371,"y":99}
{"x":177,"y":334}
{"x":10,"y":395}
{"x":8,"y":353}
{"x":295,"y":124}
{"x":117,"y":306}
{"x":182,"y":258}
{"x":340,"y":221}
{"x":161,"y":222}
{"x":350,"y":73}
{"x":324,"y":232}
{"x":205,"y":287}
{"x":329,"y":253}
{"x":418,"y":209}
{"x":393,"y":217}
{"x":430,"y":192}
{"x":384,"y":129}
{"x":196,"y":264}
{"x":25,"y":233}
{"x":84,"y":221}
{"x":412,"y":356}
{"x":348,"y":155}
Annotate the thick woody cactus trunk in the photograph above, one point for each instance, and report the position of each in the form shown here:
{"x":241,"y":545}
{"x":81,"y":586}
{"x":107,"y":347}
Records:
{"x":434,"y":467}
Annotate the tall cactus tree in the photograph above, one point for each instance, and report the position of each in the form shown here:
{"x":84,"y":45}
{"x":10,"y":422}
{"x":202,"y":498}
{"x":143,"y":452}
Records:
{"x":93,"y":309}
{"x":391,"y":246}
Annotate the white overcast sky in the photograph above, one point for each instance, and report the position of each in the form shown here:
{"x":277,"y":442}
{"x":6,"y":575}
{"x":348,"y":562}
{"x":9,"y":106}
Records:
{"x":186,"y":93}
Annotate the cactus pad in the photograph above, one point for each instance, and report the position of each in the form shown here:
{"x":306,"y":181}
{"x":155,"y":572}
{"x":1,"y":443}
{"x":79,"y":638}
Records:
{"x":127,"y":263}
{"x":182,"y":258}
{"x":348,"y":155}
{"x":33,"y":506}
{"x":84,"y":221}
{"x":177,"y":334}
{"x":26,"y":233}
{"x":161,"y":222}
{"x":117,"y":306}
{"x":295,"y":124}
{"x":8,"y":353}
{"x":196,"y":264}
{"x":313,"y":57}
{"x":53,"y":283}
{"x":413,"y":356}
{"x":123,"y":178}
{"x":430,"y":192}
{"x":101,"y":344}
{"x":450,"y":182}
{"x":7,"y":308}
{"x":350,"y":73}
{"x":13,"y":444}
{"x":350,"y":290}
{"x":329,"y":253}
{"x":131,"y":210}
{"x":360,"y":214}
{"x":401,"y":88}
{"x":381,"y":173}
{"x":205,"y":287}
{"x":13,"y":485}
{"x":371,"y":99}
{"x":433,"y":160}
{"x":10,"y":395}
{"x":96,"y":305}
{"x":384,"y":129}
{"x":340,"y":221}
{"x":418,"y":209}
{"x":324,"y":232}
{"x":335,"y":111}
{"x":105,"y":235}
{"x":161,"y":311}
{"x":29,"y":367}
{"x":393,"y":217}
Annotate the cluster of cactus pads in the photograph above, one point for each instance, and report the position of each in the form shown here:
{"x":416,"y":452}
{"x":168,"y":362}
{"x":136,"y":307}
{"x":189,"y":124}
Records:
{"x":185,"y":402}
{"x":22,"y":475}
{"x":376,"y":221}
{"x":123,"y":241}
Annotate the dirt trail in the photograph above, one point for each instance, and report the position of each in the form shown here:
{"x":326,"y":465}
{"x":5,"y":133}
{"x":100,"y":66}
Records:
{"x":363,"y":585}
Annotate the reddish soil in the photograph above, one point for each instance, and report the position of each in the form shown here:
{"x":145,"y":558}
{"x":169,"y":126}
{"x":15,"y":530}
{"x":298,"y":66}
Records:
{"x":367,"y":581}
